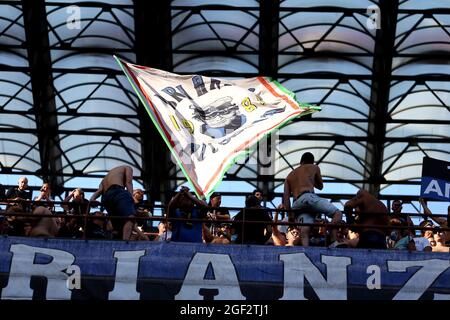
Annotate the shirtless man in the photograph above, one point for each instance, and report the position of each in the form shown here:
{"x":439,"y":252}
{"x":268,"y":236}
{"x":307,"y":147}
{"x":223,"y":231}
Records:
{"x":116,"y":189}
{"x":300,"y":183}
{"x":369,"y":211}
{"x":43,"y":226}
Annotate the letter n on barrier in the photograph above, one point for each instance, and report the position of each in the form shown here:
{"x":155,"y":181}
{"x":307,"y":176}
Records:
{"x":297,"y":267}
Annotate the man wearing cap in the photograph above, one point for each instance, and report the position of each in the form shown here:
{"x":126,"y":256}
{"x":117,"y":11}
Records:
{"x":424,"y":242}
{"x":300,"y":183}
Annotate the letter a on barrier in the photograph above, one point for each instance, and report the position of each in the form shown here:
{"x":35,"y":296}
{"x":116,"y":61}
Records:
{"x":225,"y":281}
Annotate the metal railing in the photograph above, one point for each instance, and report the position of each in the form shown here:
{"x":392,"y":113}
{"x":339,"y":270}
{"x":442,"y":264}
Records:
{"x":164,"y":217}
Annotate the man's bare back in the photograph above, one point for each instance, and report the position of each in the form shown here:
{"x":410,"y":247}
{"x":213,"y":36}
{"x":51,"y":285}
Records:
{"x":45,"y":226}
{"x":122,"y":176}
{"x":370,"y":210}
{"x":304,"y":178}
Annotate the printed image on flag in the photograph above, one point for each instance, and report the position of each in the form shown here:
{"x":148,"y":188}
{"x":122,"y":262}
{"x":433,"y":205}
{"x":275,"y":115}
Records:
{"x":208,"y":123}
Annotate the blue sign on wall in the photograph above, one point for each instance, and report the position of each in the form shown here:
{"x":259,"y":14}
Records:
{"x":435,"y":179}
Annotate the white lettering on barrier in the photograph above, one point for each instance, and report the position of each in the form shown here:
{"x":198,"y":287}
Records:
{"x":297,"y":267}
{"x":374,"y":280}
{"x":23,"y":267}
{"x":440,"y":296}
{"x":62,"y":276}
{"x":127,"y":267}
{"x":74,"y":279}
{"x":415,"y":287}
{"x":226,"y":281}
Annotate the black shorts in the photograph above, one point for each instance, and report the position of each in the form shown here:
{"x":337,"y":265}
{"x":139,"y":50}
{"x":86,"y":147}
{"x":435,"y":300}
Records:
{"x":371,"y":239}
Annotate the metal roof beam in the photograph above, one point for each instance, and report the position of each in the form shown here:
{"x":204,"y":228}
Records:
{"x":268,"y":66}
{"x":153,"y":47}
{"x":35,"y":23}
{"x":381,"y":83}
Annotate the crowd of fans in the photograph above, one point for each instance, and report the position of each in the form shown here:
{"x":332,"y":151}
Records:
{"x":364,"y":223}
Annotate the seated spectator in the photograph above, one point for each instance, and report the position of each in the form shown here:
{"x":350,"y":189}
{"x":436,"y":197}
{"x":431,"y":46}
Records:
{"x":439,"y":242}
{"x":220,"y":238}
{"x":289,"y":238}
{"x":20,"y":193}
{"x":45,"y":197}
{"x":396,"y":234}
{"x":99,"y":228}
{"x":252,"y":233}
{"x":423,"y":243}
{"x":289,"y":217}
{"x":405,"y":243}
{"x":217,"y":214}
{"x":164,"y":231}
{"x":353,"y":238}
{"x":4,"y":226}
{"x":399,"y":238}
{"x":397,"y":214}
{"x":16,"y":224}
{"x":439,"y":220}
{"x":342,"y":239}
{"x":78,"y":204}
{"x":427,"y":233}
{"x":138,"y":235}
{"x":142,"y":211}
{"x":186,"y":205}
{"x":43,"y":226}
{"x":70,"y":227}
{"x":319,"y":235}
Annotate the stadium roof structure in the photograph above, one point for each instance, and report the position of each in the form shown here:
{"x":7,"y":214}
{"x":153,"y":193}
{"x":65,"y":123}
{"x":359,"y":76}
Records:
{"x":378,"y":68}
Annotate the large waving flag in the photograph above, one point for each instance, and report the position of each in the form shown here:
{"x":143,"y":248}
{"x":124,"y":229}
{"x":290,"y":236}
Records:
{"x":208,"y":123}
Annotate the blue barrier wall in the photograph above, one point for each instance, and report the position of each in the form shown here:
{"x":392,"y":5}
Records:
{"x":78,"y":269}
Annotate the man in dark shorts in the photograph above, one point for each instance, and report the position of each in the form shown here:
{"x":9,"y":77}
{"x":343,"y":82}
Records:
{"x":116,"y":190}
{"x":369,"y":212}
